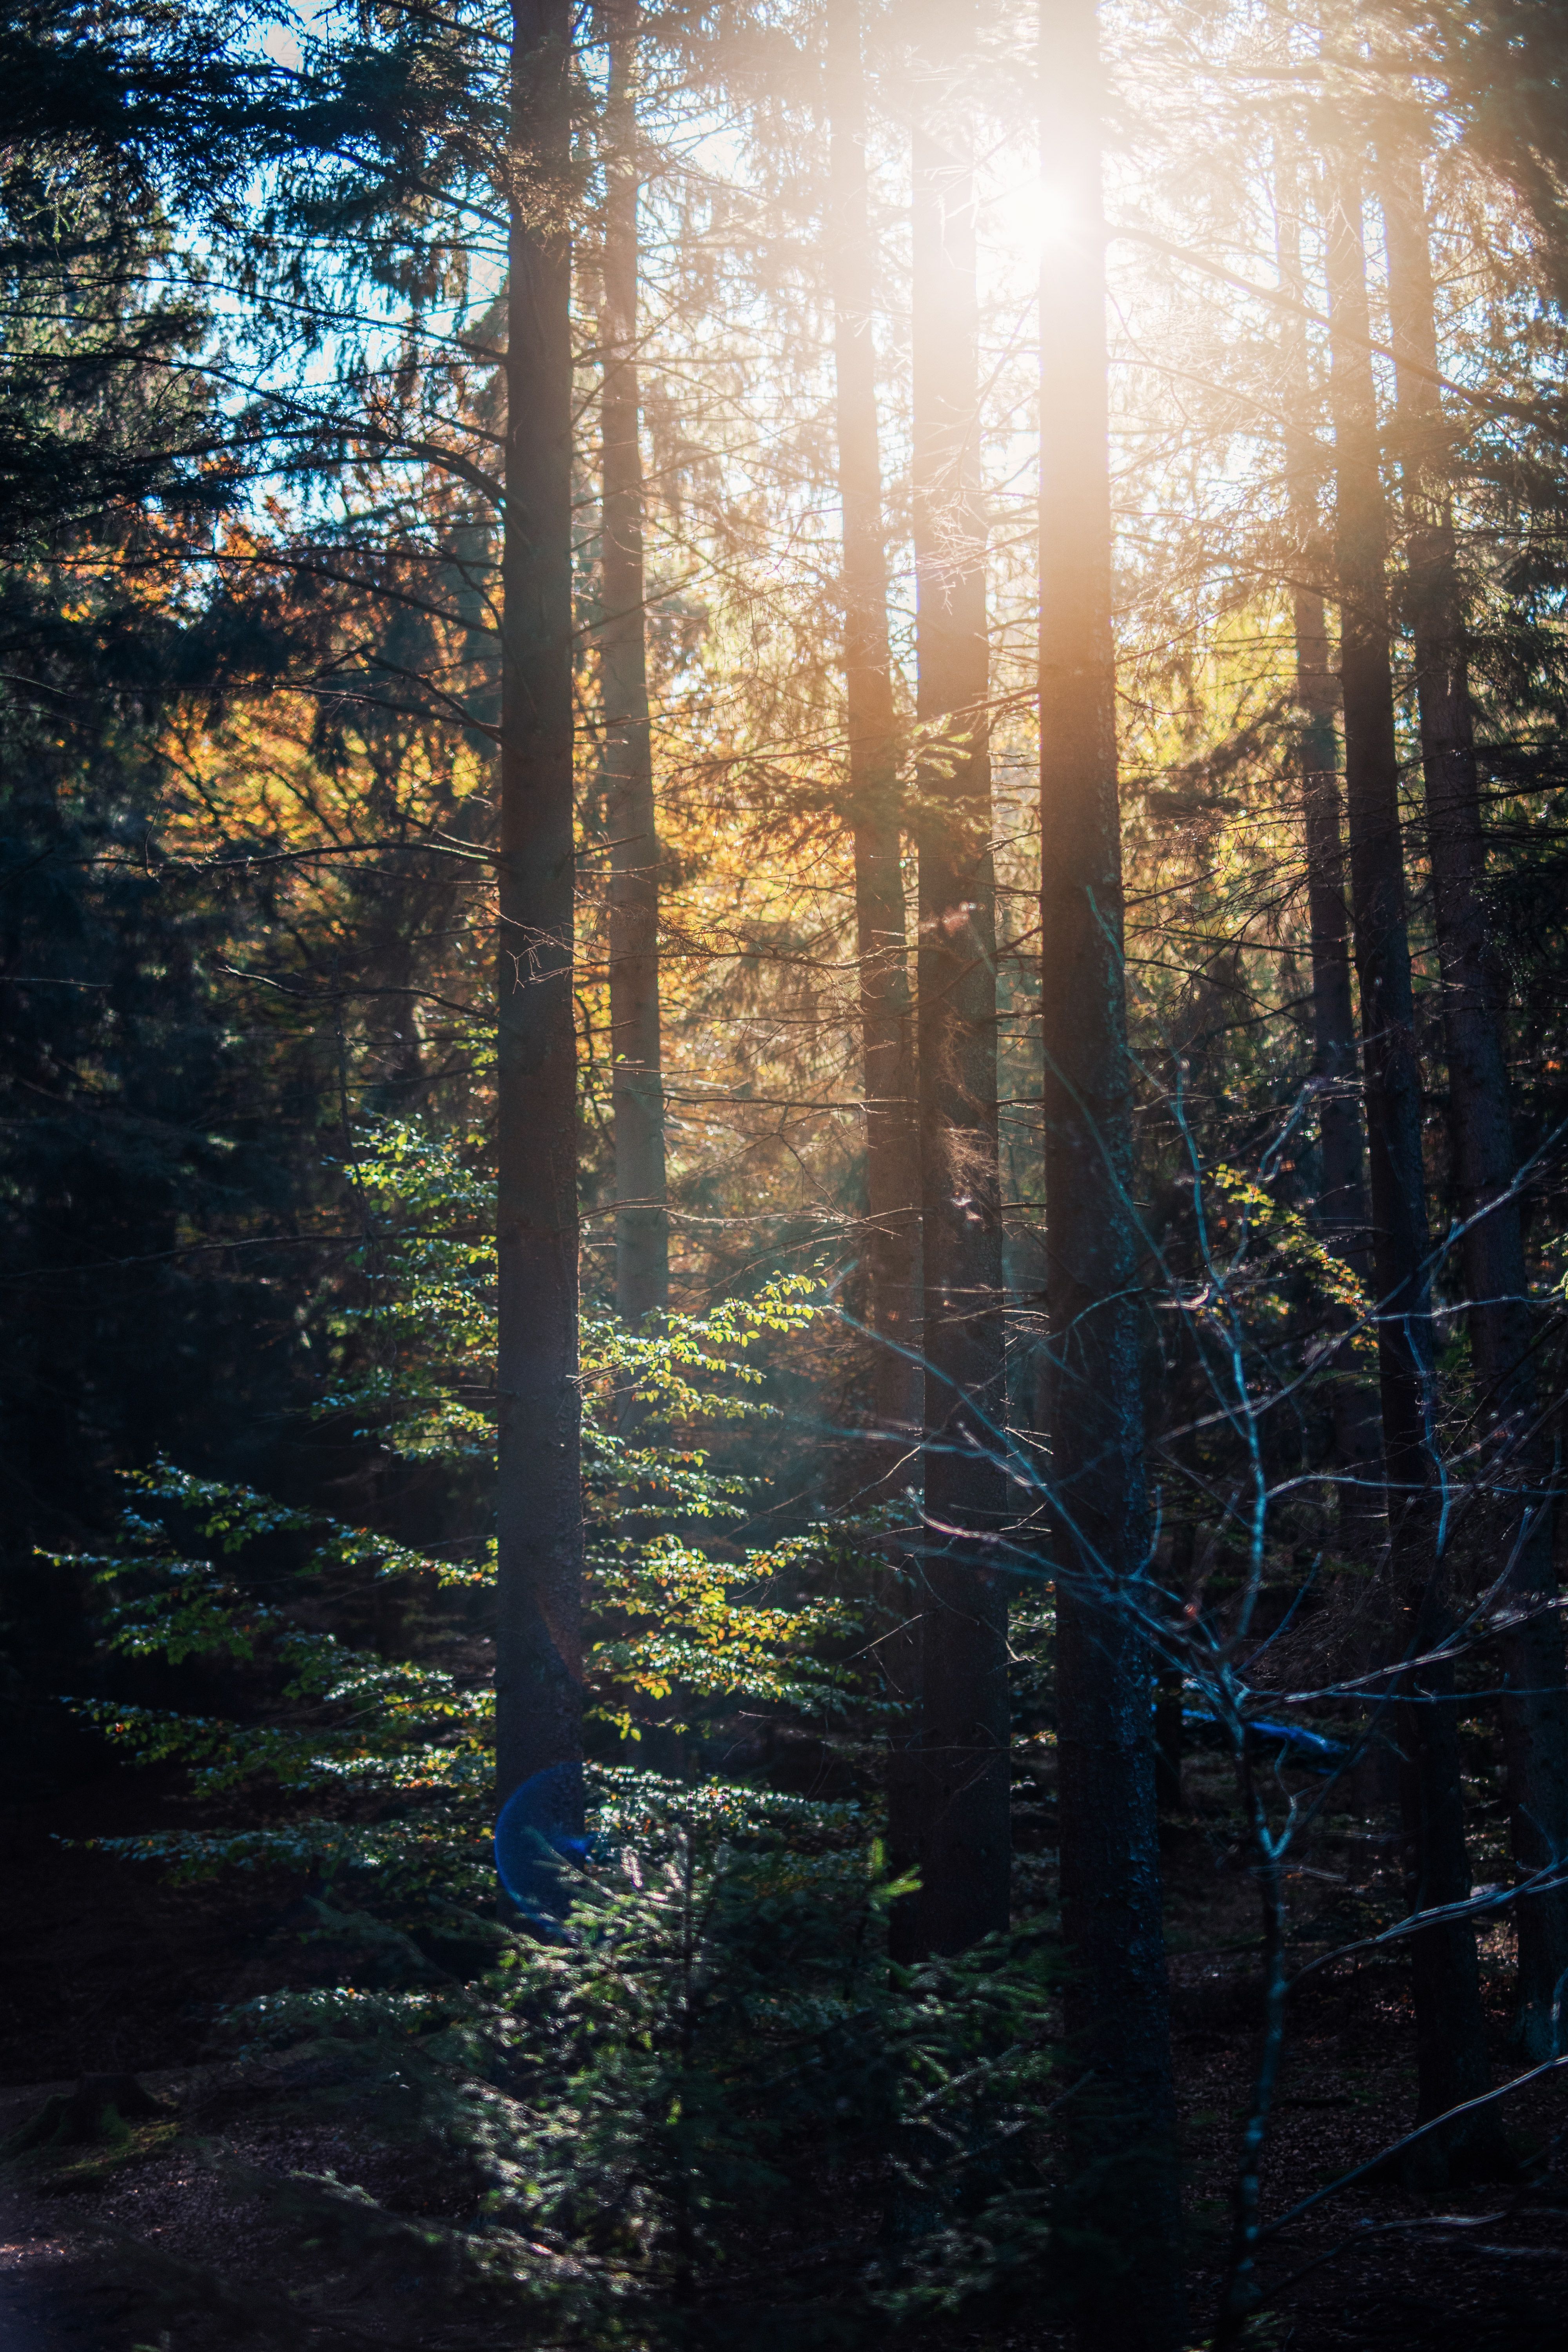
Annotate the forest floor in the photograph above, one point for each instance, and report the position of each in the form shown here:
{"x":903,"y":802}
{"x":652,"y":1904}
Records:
{"x":166,"y":2249}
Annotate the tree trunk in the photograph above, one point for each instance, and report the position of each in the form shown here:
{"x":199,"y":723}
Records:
{"x":1450,"y":2037}
{"x":1342,"y":1200}
{"x":1342,"y":1216}
{"x":1516,"y":1456}
{"x":1124,"y":2126}
{"x":642,"y":1231}
{"x":886,"y":1019}
{"x":539,"y":1511}
{"x":1169,"y":1681}
{"x":964,"y":1859}
{"x":1341,"y":1209}
{"x":892,"y":1155}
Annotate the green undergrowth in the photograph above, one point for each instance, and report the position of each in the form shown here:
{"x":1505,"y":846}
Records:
{"x":360,"y":1747}
{"x":710,"y":2103}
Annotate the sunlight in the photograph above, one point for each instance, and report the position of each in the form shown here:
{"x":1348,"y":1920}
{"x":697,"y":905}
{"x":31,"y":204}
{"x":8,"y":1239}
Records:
{"x":761,"y":767}
{"x":1036,"y":213}
{"x":280,"y":45}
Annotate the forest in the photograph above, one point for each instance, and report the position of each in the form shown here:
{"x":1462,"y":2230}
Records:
{"x":783,"y":1091}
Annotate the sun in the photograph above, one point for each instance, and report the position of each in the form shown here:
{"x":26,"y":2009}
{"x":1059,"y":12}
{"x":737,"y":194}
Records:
{"x":1035,"y":214}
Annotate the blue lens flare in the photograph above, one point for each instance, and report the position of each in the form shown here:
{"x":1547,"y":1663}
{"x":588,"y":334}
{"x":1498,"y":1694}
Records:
{"x":540,"y":1845}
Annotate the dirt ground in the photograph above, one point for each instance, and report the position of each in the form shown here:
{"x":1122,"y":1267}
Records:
{"x":102,"y":1967}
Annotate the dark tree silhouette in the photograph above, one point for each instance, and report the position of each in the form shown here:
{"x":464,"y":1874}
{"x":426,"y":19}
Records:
{"x":1451,"y":2042}
{"x":538,"y":1515}
{"x":1109,"y":1860}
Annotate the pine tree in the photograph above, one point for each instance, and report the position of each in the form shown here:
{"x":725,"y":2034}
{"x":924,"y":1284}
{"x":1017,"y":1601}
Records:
{"x":1450,"y":2032}
{"x":893,"y":1172}
{"x":1110,"y":1858}
{"x":538,"y":1479}
{"x":1342,"y":1206}
{"x":964,"y":1717}
{"x":642,"y":1226}
{"x":1517,"y":1454}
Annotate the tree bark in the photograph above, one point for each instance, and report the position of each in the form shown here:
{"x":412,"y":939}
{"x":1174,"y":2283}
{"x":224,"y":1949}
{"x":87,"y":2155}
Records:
{"x":1450,"y":2037}
{"x":642,"y":1225}
{"x":1516,"y":1456}
{"x":1170,"y":1687}
{"x":892,"y":1155}
{"x":1342,"y":1216}
{"x":538,"y":1492}
{"x":964,"y":1857}
{"x":1117,"y":2007}
{"x":887,"y":1013}
{"x":1342,"y":1206}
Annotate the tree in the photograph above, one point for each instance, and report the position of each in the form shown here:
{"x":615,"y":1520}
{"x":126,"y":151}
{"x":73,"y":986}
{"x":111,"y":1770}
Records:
{"x":642,"y":1225}
{"x":892,"y":1167}
{"x":1342,"y":1206}
{"x":964,"y":1720}
{"x":887,"y":1026}
{"x":1450,"y":2032}
{"x":143,"y":1130}
{"x":1109,"y":1856}
{"x":538,"y":1509}
{"x":1516,"y":1452}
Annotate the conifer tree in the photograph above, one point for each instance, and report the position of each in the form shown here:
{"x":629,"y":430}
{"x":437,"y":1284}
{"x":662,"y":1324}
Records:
{"x":642,"y":1228}
{"x":1342,"y":1206}
{"x":892,"y":1168}
{"x":1450,"y":2035}
{"x":1117,"y":2012}
{"x":886,"y":1016}
{"x":963,"y":1718}
{"x":1517,"y":1452}
{"x":539,"y":1511}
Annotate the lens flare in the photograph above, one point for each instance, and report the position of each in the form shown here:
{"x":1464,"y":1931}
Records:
{"x":539,"y":1844}
{"x":1036,"y":213}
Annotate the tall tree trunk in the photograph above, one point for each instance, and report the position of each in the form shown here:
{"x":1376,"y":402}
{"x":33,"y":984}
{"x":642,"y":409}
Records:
{"x":886,"y":1016}
{"x":1343,"y":1214}
{"x":892,"y":1151}
{"x":1515,"y":1454}
{"x":1450,"y":2037}
{"x":642,"y":1227}
{"x":539,"y":1698}
{"x":1341,"y":1199}
{"x":1109,"y":1859}
{"x":964,"y":1859}
{"x":1341,"y":1209}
